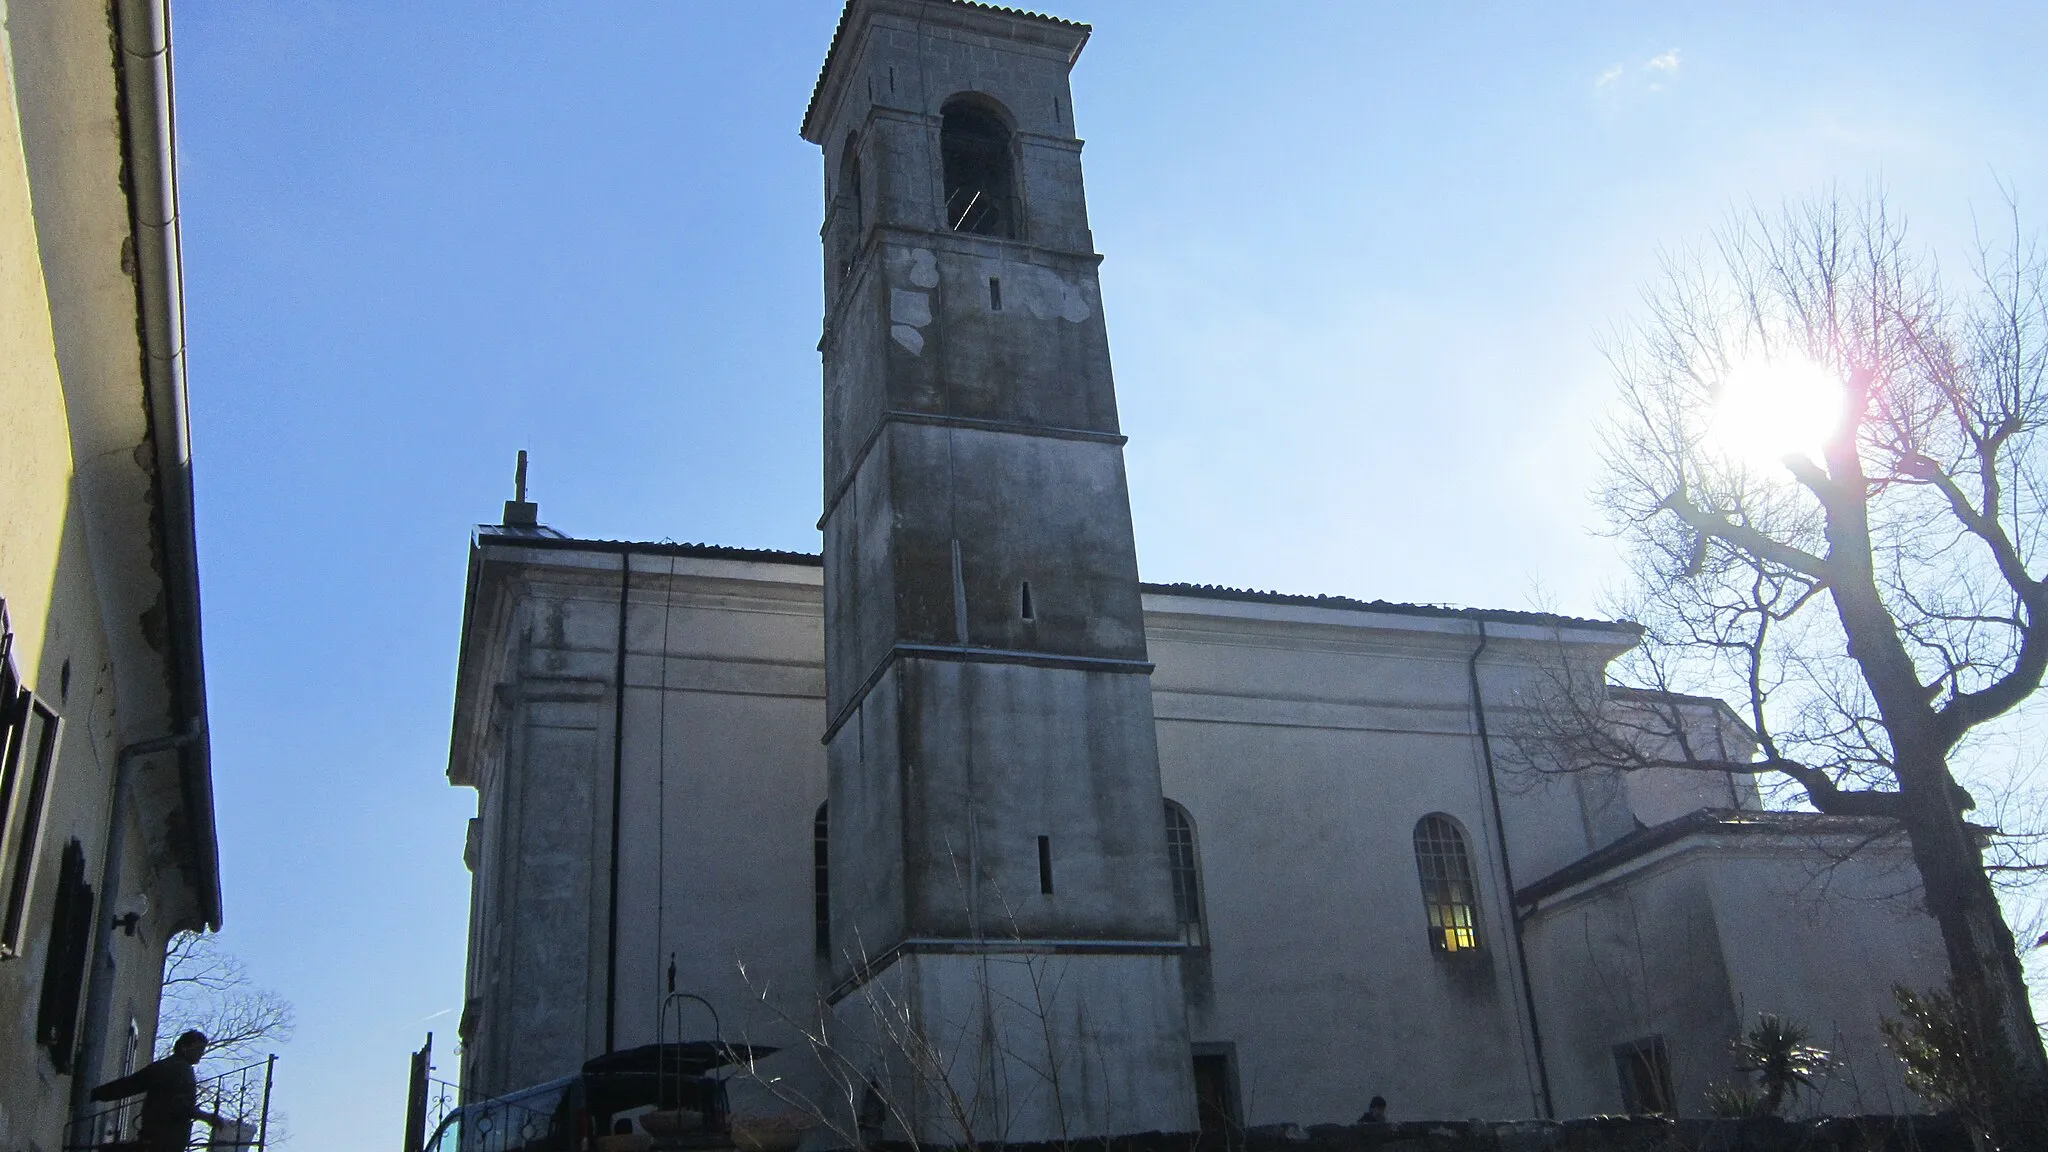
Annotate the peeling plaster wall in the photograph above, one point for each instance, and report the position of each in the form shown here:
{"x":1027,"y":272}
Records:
{"x":992,"y":755}
{"x":1020,"y":1010}
{"x":77,"y":559}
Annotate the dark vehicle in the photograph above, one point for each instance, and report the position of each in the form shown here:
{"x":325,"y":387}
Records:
{"x":613,"y":1091}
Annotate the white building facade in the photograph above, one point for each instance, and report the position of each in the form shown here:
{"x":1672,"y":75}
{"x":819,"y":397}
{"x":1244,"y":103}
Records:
{"x":1305,"y":741}
{"x":108,"y":846}
{"x":990,"y":837}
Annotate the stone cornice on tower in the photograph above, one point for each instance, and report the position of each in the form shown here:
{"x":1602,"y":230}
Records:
{"x":1015,"y":25}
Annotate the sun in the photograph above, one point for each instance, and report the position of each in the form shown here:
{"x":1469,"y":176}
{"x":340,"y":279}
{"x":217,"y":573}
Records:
{"x":1773,"y":407}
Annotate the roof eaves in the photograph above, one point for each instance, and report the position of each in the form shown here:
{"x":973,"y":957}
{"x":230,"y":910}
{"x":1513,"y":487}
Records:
{"x":148,"y":145}
{"x":488,"y":535}
{"x":1705,"y":821}
{"x":839,"y":36}
{"x":546,"y":538}
{"x":1352,"y":604}
{"x":1726,"y":710}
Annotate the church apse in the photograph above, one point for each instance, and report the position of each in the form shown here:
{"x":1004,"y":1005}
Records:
{"x":994,"y":780}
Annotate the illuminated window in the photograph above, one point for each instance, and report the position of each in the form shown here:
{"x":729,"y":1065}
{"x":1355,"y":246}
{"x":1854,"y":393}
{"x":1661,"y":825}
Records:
{"x":1447,"y":896}
{"x":980,"y":173}
{"x":1187,"y":874}
{"x":821,"y":895}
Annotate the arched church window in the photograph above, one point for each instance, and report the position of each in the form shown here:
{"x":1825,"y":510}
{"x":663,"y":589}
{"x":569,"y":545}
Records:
{"x":849,"y":183}
{"x":980,"y":169}
{"x":847,"y":209}
{"x":1447,"y":892}
{"x":1186,"y":869}
{"x":821,"y":884}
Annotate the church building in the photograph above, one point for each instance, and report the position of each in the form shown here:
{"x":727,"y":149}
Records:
{"x":986,"y":834}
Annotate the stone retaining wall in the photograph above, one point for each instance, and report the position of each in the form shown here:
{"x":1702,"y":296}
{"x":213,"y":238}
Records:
{"x":1944,"y":1133}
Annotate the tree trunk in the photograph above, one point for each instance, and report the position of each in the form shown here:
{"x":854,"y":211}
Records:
{"x":1981,"y":958}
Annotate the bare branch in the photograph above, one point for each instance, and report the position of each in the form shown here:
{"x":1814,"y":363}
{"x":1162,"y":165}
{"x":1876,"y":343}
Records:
{"x":209,"y":990}
{"x":1864,"y":611}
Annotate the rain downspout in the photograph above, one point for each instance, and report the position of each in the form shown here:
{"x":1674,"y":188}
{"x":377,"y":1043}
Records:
{"x":1507,"y":874}
{"x":611,"y":957}
{"x":99,"y":988}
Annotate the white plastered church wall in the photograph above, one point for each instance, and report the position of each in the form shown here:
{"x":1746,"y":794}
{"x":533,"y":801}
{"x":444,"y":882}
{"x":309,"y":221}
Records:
{"x":1305,"y":744}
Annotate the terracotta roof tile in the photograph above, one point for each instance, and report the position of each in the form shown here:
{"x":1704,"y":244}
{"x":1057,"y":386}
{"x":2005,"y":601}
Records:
{"x":839,"y":33}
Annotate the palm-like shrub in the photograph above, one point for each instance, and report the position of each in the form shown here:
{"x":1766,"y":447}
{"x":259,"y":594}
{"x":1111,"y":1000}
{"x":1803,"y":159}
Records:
{"x":1776,"y":1053}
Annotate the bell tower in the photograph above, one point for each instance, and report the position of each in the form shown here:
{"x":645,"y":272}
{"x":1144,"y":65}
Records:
{"x":997,"y":842}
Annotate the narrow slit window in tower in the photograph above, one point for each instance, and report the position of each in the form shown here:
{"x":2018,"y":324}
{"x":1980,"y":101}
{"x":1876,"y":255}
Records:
{"x":1024,"y":602}
{"x":821,"y":899}
{"x":1045,"y":865}
{"x":995,"y":294}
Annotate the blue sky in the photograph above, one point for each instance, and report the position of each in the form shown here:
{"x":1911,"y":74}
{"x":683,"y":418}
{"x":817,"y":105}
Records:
{"x":1359,"y":260}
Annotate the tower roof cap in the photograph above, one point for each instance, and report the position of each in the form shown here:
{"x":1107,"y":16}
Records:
{"x":1069,"y":33}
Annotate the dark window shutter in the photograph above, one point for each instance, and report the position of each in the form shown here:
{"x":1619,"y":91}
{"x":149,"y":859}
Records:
{"x":14,"y":704}
{"x":64,"y":966}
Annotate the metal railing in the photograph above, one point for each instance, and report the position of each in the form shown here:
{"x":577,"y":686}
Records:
{"x":444,"y":1097}
{"x":490,"y":1124}
{"x":240,"y":1097}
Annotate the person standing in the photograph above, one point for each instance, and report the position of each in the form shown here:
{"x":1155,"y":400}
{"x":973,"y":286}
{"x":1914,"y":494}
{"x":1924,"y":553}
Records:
{"x":170,"y":1095}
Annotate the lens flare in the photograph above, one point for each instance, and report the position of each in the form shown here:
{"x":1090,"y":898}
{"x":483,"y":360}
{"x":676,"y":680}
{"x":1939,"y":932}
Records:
{"x":1771,"y":408}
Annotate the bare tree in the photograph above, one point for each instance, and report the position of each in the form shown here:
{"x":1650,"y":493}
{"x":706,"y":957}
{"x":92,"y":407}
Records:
{"x":210,"y":990}
{"x":1869,"y":602}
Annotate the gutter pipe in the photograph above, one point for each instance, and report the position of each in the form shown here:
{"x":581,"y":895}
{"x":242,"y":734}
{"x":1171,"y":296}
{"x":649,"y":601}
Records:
{"x":1507,"y":873}
{"x":149,"y":155}
{"x":142,"y":80}
{"x":611,"y":957}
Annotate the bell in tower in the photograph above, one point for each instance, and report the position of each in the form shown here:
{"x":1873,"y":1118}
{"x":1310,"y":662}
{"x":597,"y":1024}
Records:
{"x":1001,"y":920}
